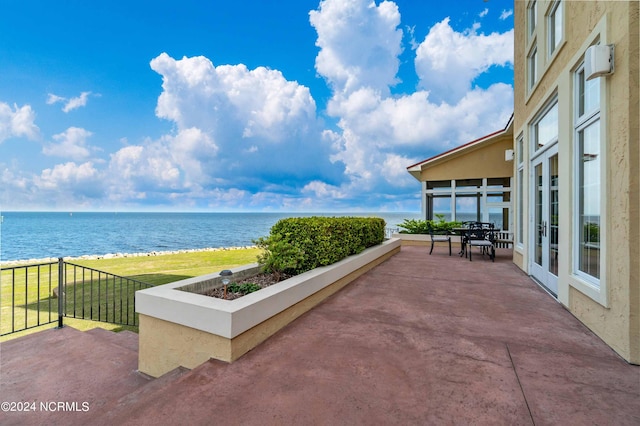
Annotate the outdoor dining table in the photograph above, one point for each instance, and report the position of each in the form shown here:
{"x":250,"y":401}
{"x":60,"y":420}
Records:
{"x":463,"y":232}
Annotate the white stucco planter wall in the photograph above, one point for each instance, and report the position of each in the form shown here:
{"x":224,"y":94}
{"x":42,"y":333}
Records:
{"x":230,"y":318}
{"x":181,"y":312}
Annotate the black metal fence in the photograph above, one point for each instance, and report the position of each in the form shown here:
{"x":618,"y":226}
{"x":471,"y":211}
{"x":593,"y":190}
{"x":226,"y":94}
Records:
{"x":25,"y":296}
{"x":30,"y":296}
{"x":100,"y":296}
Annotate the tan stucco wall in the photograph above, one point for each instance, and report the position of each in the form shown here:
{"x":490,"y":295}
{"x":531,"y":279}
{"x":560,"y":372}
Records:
{"x":634,"y":179}
{"x":618,"y":324}
{"x":613,"y":313}
{"x":164,"y":346}
{"x":519,"y":67}
{"x":518,"y":259}
{"x":487,"y":161}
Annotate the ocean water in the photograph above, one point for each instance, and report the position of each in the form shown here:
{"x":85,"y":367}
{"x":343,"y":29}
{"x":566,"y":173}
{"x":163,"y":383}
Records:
{"x":38,"y":235}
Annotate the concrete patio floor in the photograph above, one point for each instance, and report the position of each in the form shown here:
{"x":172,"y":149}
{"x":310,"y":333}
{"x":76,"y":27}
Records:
{"x":418,"y":340}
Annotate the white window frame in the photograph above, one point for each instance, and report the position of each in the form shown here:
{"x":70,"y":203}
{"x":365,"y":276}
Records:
{"x":533,"y":129}
{"x":532,"y":18}
{"x":532,"y":67}
{"x":520,"y":227}
{"x":481,"y":193}
{"x":582,"y":122}
{"x":553,"y":19}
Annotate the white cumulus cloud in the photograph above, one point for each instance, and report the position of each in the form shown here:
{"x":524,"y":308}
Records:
{"x":53,"y":99}
{"x":69,"y":103}
{"x":172,"y":164}
{"x":359,"y":44}
{"x":145,"y":168}
{"x":231,"y":99}
{"x":69,"y":185}
{"x":252,"y":139}
{"x":447,"y":61}
{"x":67,"y":174}
{"x":72,"y":143}
{"x":506,"y":13}
{"x":380,"y":133}
{"x":323,"y":190}
{"x":250,"y":129}
{"x":17,"y":122}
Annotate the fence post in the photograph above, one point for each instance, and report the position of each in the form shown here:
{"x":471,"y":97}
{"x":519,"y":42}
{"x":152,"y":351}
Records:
{"x":61,"y":276}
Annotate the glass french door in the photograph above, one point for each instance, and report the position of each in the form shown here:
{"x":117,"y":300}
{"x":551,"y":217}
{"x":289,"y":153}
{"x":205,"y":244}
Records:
{"x":544,"y":226}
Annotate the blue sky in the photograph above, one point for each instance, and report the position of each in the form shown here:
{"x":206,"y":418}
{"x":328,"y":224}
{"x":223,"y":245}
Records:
{"x":294,"y":105}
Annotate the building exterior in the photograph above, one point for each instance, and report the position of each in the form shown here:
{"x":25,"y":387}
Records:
{"x":470,"y":182}
{"x":577,"y":198}
{"x":575,"y":192}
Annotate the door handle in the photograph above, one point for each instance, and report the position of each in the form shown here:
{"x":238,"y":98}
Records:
{"x":542,"y":228}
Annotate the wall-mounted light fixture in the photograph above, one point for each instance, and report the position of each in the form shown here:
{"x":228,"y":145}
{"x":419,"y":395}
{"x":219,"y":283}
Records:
{"x":508,"y":155}
{"x":598,"y":60}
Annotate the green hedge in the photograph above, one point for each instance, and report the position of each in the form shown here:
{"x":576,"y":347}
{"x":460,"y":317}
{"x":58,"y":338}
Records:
{"x":440,"y":226}
{"x":297,"y":245}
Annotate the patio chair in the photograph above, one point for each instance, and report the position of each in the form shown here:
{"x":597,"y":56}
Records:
{"x":438,"y":238}
{"x":482,"y":235}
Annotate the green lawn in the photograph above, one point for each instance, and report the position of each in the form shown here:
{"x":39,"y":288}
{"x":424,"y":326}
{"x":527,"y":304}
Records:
{"x":168,"y":268}
{"x":19,"y":288}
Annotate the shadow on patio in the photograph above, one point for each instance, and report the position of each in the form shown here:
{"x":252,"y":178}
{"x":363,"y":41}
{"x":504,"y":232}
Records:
{"x":417,"y":340}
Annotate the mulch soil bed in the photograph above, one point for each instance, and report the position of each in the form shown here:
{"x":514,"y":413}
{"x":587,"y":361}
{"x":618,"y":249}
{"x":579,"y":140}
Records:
{"x":263,"y":280}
